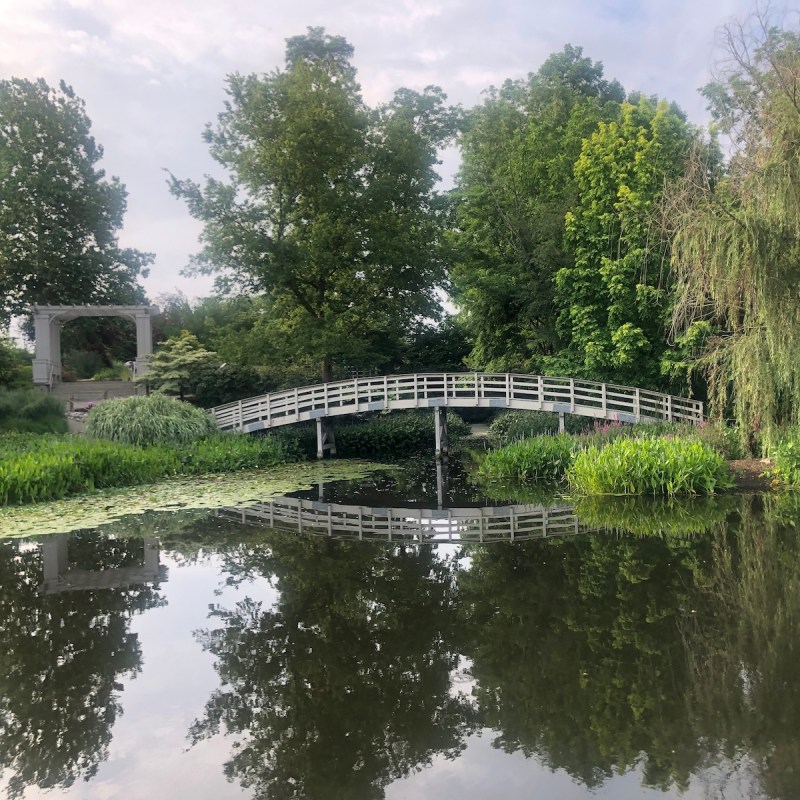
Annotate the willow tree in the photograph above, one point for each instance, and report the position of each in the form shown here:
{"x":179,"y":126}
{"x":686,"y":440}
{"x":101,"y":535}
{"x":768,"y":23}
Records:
{"x":330,"y":213}
{"x":736,"y":247}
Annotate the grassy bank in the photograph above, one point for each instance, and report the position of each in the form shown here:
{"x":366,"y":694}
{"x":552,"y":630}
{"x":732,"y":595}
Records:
{"x":35,"y":468}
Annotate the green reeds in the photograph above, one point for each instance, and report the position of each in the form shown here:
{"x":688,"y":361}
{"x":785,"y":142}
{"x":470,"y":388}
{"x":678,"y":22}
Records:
{"x":36,"y":468}
{"x":664,"y":465}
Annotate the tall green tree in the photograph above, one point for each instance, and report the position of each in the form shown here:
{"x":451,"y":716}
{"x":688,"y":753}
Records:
{"x":59,"y":215}
{"x":614,"y":299}
{"x":514,"y":189}
{"x":329,"y":212}
{"x":736,"y":248}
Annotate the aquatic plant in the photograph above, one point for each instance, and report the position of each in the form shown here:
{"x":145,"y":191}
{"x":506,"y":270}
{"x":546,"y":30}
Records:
{"x":665,"y":465}
{"x":34,"y":468}
{"x":542,"y":458}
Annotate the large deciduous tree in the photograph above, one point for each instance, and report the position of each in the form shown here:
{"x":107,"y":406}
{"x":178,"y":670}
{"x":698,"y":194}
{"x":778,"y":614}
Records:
{"x":514,"y":189}
{"x":614,"y":299}
{"x":59,"y":215}
{"x":329,"y":212}
{"x":736,"y":248}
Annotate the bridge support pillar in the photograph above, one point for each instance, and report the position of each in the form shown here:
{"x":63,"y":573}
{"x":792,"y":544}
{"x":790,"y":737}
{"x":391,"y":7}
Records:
{"x":440,"y":417}
{"x":561,"y":422}
{"x":326,"y":440}
{"x":441,"y":480}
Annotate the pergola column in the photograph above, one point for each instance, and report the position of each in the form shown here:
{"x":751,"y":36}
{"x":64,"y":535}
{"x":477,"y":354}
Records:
{"x":144,"y":340}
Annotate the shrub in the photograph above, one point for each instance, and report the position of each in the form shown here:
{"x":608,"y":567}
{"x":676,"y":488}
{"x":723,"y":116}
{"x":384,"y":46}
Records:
{"x":30,"y":411}
{"x":542,"y":458}
{"x":786,"y":458}
{"x":662,"y":465}
{"x":117,"y":372}
{"x":381,"y":436}
{"x":149,"y":420}
{"x":215,"y":384}
{"x":510,"y":426}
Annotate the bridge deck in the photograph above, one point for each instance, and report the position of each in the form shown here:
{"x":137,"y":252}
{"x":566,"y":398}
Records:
{"x":458,"y":390}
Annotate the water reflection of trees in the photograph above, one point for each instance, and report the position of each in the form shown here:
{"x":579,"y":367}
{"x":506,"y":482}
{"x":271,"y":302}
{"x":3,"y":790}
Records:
{"x":343,"y":686}
{"x":61,"y":660}
{"x":596,"y":655}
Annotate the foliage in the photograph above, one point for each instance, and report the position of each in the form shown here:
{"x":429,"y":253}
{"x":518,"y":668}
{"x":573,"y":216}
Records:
{"x":173,"y":366}
{"x":344,"y":684}
{"x":614,"y":299}
{"x":29,"y":411}
{"x":542,"y":458}
{"x":508,"y":426}
{"x":664,"y":465}
{"x":33,"y":469}
{"x":148,"y":420}
{"x":62,"y":687}
{"x":735,"y":250}
{"x":213,"y":384}
{"x":15,"y":372}
{"x":786,"y":458}
{"x":514,"y":188}
{"x":37,"y":468}
{"x":59,"y":215}
{"x":384,"y":436}
{"x":330,"y":211}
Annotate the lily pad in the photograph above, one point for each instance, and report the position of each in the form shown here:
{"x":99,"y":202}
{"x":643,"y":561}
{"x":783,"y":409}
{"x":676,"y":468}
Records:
{"x":206,"y":492}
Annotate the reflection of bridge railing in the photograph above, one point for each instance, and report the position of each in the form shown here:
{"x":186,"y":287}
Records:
{"x":460,"y":390}
{"x":458,"y":525}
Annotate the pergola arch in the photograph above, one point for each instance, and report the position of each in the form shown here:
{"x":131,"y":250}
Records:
{"x":47,"y":321}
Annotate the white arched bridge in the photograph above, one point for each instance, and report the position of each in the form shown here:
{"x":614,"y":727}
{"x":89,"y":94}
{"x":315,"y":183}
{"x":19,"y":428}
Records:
{"x":442,"y":390}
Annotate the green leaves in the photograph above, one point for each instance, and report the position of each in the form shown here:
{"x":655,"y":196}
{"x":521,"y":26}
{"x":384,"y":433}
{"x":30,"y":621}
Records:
{"x":329,"y":212}
{"x":664,"y":465}
{"x":59,"y":215}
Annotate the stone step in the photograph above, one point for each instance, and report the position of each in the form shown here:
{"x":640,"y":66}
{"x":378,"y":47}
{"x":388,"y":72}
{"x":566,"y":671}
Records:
{"x":80,"y":392}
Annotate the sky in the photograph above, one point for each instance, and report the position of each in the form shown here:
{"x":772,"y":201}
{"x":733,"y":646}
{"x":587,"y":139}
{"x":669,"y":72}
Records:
{"x":152,"y":72}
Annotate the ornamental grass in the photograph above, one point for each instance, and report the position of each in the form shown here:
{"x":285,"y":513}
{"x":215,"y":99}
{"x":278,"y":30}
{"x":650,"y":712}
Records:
{"x":156,"y":419}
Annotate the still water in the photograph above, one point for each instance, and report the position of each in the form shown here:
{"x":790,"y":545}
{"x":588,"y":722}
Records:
{"x":347,"y":644}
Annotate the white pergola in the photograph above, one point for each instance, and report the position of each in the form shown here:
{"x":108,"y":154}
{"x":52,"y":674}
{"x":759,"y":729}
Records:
{"x":48,"y":320}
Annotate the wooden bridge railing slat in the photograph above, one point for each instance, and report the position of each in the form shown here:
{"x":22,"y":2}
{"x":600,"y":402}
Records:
{"x":459,"y":389}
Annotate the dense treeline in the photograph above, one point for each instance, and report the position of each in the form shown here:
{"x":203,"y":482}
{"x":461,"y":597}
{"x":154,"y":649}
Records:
{"x":593,"y":231}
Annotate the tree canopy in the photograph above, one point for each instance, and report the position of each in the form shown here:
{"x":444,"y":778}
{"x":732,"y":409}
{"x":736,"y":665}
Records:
{"x":329,"y":212}
{"x":736,"y":251}
{"x":59,"y":215}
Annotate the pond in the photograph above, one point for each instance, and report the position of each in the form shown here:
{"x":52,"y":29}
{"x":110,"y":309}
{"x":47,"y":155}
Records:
{"x":406,"y":635}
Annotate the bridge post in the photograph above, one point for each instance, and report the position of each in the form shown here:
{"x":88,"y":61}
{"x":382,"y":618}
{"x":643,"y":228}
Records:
{"x":561,"y":422}
{"x":440,"y":421}
{"x":326,"y":440}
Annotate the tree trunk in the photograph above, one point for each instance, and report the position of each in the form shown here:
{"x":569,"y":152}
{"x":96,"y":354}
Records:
{"x":327,"y":369}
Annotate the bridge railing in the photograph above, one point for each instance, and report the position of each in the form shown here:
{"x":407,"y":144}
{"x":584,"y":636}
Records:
{"x":469,"y":389}
{"x":363,"y":523}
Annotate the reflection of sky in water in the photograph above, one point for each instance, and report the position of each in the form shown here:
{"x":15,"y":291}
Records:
{"x":150,"y":755}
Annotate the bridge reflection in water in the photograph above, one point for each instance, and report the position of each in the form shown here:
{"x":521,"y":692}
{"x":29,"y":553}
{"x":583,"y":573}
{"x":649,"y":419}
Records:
{"x":456,"y":525}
